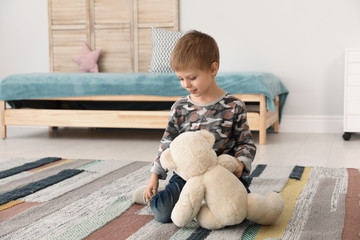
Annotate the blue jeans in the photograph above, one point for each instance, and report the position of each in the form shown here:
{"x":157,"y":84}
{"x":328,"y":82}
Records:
{"x":163,"y":202}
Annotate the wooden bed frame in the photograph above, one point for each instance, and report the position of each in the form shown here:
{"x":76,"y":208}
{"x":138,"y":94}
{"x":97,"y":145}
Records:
{"x":259,"y":120}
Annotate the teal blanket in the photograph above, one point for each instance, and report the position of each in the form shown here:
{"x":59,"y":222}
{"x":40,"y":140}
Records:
{"x":55,"y":85}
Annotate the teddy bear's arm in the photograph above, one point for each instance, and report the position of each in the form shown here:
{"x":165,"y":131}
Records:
{"x":189,"y":202}
{"x":228,"y":162}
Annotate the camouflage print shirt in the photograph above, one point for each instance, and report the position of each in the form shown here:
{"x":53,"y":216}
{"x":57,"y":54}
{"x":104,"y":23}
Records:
{"x":226,"y":118}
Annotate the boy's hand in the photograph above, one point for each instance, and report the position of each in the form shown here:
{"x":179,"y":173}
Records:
{"x":152,"y":187}
{"x":239,"y":169}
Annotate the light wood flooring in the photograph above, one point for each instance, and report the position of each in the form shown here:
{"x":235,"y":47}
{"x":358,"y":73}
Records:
{"x":306,"y":149}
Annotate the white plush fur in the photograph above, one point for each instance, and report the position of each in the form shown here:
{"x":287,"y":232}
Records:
{"x":212,"y":193}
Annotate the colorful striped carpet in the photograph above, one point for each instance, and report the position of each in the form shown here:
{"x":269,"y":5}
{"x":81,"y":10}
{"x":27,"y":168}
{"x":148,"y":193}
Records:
{"x":55,"y":198}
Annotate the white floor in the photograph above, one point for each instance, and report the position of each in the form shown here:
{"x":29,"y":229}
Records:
{"x":307,"y":149}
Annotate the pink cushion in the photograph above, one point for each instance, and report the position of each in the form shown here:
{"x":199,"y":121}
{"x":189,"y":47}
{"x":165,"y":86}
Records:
{"x":88,"y":59}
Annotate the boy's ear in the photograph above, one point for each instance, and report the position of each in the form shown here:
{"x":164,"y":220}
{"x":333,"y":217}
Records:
{"x":214,"y":68}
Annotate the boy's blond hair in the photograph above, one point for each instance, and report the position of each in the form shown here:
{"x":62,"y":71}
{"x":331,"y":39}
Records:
{"x":196,"y":50}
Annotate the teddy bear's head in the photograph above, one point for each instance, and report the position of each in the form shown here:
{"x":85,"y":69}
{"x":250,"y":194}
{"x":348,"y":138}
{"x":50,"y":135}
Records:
{"x":190,"y":154}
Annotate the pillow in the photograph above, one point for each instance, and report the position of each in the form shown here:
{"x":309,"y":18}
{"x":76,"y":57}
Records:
{"x":163,"y":42}
{"x":88,"y":59}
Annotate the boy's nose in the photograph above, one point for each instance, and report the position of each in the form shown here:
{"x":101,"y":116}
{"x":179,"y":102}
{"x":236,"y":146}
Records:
{"x":187,"y":83}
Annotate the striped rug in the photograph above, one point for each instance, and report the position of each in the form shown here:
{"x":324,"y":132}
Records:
{"x":55,"y":198}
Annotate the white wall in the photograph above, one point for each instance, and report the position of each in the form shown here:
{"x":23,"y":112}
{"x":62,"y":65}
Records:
{"x":24,"y":43}
{"x":300,"y":41}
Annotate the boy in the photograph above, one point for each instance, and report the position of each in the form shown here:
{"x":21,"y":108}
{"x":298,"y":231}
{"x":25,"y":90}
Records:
{"x":195,"y":60}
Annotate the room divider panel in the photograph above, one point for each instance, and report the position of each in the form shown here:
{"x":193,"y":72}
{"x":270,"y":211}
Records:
{"x":121,"y":28}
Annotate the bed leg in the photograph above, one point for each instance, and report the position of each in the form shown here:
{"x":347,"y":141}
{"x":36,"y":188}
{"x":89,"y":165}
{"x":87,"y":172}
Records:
{"x":262,"y":137}
{"x":276,"y":124}
{"x":262,"y":128}
{"x":3,"y":126}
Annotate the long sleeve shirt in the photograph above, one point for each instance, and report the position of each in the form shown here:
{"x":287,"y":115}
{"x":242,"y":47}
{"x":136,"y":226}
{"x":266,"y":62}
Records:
{"x":226,"y":118}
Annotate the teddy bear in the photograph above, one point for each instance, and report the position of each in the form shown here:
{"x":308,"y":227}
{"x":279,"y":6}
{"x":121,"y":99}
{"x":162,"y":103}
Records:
{"x":213,"y":195}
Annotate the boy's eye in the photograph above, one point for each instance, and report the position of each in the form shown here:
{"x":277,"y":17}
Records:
{"x":189,"y":78}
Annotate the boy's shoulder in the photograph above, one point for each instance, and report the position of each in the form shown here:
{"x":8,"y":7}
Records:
{"x":181,"y":101}
{"x":229,"y":98}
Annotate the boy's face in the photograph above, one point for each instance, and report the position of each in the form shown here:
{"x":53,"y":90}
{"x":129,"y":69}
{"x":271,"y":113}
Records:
{"x":196,"y":81}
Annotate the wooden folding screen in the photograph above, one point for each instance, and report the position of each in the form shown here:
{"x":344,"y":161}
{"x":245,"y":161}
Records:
{"x":121,"y":28}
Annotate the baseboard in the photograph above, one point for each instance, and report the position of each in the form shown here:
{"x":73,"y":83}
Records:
{"x":311,"y":124}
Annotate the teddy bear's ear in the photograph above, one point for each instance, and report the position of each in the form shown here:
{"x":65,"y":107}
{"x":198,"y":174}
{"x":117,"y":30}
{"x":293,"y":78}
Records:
{"x":208,"y":136}
{"x":166,"y":160}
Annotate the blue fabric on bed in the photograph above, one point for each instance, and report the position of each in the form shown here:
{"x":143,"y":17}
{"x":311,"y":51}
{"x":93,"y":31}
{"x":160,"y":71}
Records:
{"x":55,"y":85}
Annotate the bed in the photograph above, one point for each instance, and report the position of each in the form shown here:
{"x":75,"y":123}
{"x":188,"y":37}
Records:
{"x":263,"y":93}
